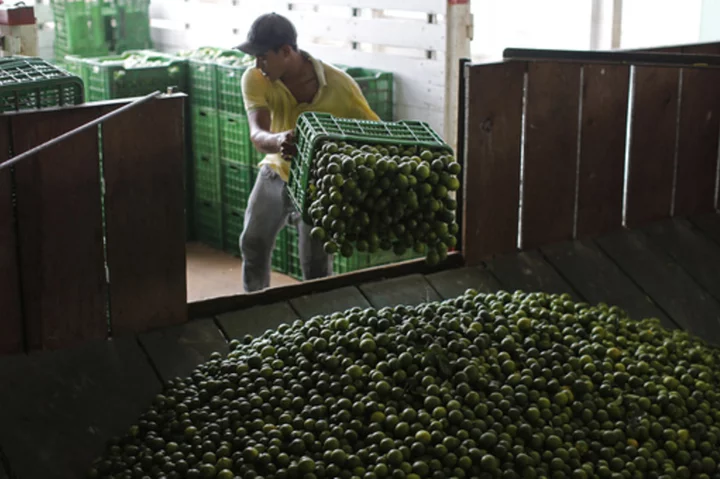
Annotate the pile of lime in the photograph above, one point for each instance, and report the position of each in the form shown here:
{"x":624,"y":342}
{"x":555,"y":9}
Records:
{"x":218,"y":56}
{"x":390,"y":198}
{"x":503,"y":385}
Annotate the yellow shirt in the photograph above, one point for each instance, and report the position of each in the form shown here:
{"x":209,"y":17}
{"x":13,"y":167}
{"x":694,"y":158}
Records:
{"x":338,"y":95}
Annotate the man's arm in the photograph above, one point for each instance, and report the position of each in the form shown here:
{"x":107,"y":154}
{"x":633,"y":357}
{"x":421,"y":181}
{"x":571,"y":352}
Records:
{"x":263,"y":139}
{"x":254,"y":88}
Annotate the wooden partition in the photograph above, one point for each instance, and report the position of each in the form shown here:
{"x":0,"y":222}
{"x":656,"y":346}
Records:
{"x":712,"y":48}
{"x":66,"y":275}
{"x":562,"y":145}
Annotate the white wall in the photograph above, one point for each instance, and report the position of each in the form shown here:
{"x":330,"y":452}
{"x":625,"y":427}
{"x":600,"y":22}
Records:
{"x":571,"y":24}
{"x":651,"y":23}
{"x":710,"y":21}
{"x":46,"y":34}
{"x":405,"y":37}
{"x":551,"y":24}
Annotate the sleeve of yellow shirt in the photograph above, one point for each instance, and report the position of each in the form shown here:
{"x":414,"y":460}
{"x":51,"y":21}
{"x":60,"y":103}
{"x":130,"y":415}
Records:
{"x":254,"y":89}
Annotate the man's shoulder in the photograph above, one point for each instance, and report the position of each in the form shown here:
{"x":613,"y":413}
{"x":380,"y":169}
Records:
{"x":253,"y":74}
{"x":334,"y":76}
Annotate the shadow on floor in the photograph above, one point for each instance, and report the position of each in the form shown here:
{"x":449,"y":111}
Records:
{"x":212,"y":273}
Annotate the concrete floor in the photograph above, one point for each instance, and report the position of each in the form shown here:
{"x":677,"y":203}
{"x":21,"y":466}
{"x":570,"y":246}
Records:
{"x":212,"y":273}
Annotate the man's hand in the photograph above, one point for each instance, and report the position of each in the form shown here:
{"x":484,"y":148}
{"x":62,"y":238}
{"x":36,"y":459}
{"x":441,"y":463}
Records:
{"x":286,"y":144}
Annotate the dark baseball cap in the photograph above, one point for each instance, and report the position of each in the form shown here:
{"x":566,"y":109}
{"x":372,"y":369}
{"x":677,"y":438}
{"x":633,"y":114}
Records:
{"x":269,"y":32}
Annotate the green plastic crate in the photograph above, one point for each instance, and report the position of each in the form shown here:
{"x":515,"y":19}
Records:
{"x":204,"y":130}
{"x":202,"y":83}
{"x":119,"y":76}
{"x":230,"y":69}
{"x":279,"y":254}
{"x":79,"y":28}
{"x":236,"y":184}
{"x":381,"y":258}
{"x":293,"y":268}
{"x":74,"y":65}
{"x":28,"y":83}
{"x":132,"y":29}
{"x":313,"y":128}
{"x":207,"y":178}
{"x":359,"y":261}
{"x":355,"y":262}
{"x":209,"y":223}
{"x":233,"y":220}
{"x":377,"y":86}
{"x":234,"y":135}
{"x":202,"y":74}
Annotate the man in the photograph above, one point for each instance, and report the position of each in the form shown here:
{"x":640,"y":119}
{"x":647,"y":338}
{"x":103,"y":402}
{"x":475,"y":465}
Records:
{"x":284,"y":83}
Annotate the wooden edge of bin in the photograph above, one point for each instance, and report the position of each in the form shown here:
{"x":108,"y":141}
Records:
{"x":212,"y":307}
{"x":685,"y":60}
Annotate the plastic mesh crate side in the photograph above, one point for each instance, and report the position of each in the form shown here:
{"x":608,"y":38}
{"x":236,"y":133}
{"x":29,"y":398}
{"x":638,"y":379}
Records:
{"x":382,"y":258}
{"x":79,"y":27}
{"x":314,"y":127}
{"x":110,"y":78}
{"x":133,"y":25}
{"x":208,"y":223}
{"x":236,"y":184}
{"x":229,"y":87}
{"x":279,"y":254}
{"x":204,"y":131}
{"x":207,"y":178}
{"x":378,"y":88}
{"x":294,"y":269}
{"x":235,"y":142}
{"x":233,"y":220}
{"x":202,"y":75}
{"x":29,"y":83}
{"x":74,"y":64}
{"x":356,"y":262}
{"x":205,"y":150}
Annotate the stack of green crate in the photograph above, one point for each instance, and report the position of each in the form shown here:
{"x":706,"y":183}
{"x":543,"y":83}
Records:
{"x":237,"y":159}
{"x":220,"y":148}
{"x":204,"y":151}
{"x":292,"y":266}
{"x":132,"y":25}
{"x":100,"y":27}
{"x":79,"y":29}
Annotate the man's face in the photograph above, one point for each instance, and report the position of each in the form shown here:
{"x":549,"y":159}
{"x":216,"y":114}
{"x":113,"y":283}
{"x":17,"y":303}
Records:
{"x":272,"y":63}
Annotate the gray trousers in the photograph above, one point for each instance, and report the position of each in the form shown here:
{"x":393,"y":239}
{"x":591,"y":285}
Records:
{"x":269,"y":209}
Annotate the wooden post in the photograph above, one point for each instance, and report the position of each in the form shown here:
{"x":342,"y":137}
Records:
{"x":493,"y":135}
{"x":143,"y":158}
{"x":459,"y":34}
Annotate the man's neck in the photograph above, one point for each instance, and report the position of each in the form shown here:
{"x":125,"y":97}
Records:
{"x":296,"y":68}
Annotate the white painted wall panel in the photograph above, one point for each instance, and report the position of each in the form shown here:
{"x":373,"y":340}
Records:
{"x":398,"y":42}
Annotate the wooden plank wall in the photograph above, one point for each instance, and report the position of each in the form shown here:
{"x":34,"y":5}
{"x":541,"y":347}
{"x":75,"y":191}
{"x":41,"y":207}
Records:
{"x":60,"y":232}
{"x":549,"y":139}
{"x":11,"y":328}
{"x":53,"y":266}
{"x":145,"y":219}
